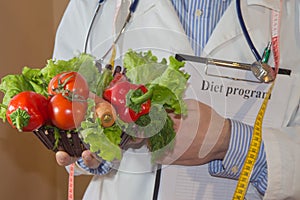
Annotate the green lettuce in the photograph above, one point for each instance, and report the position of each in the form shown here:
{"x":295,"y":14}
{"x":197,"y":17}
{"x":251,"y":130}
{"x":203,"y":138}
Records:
{"x":165,"y":79}
{"x":102,"y":141}
{"x":10,"y":86}
{"x":37,"y":80}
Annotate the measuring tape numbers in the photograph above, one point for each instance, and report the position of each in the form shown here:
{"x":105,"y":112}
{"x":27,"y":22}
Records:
{"x":253,"y":151}
{"x":71,"y":182}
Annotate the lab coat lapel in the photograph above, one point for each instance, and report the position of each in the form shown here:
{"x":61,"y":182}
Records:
{"x":219,"y":36}
{"x":230,"y":23}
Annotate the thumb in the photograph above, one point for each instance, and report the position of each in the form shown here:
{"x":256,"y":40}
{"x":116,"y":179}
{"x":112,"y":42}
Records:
{"x":90,"y":159}
{"x":64,"y":159}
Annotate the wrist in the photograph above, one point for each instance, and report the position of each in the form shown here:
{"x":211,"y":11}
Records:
{"x":104,"y":167}
{"x":223,"y":142}
{"x":221,"y":147}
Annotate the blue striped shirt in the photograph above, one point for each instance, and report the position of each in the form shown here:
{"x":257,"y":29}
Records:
{"x":199,"y":18}
{"x":231,"y":165}
{"x":104,"y":167}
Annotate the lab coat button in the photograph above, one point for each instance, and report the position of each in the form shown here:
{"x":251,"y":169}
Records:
{"x":198,"y":12}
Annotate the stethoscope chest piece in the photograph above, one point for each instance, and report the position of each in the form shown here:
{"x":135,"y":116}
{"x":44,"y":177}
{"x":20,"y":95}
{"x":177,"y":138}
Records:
{"x":263,"y":72}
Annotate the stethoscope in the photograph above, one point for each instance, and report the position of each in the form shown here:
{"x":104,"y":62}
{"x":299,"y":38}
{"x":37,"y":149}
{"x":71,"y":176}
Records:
{"x":132,"y":9}
{"x":261,"y":70}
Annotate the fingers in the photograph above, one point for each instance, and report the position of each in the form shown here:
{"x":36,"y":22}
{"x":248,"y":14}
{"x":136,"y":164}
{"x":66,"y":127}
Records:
{"x":64,"y":159}
{"x":90,"y":159}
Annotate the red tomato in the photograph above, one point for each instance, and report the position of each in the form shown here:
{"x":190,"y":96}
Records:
{"x":66,"y":114}
{"x":69,"y":83}
{"x":27,"y":111}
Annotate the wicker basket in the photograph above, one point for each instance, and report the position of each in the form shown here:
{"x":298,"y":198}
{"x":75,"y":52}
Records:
{"x":69,"y":141}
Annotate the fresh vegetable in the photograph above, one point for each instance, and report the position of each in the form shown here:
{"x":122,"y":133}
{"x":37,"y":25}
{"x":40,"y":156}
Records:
{"x":68,"y":94}
{"x":37,"y":80}
{"x":118,"y":77}
{"x":71,"y":84}
{"x":157,"y":126}
{"x":106,"y":113}
{"x":104,"y":80}
{"x":140,"y":98}
{"x":95,"y":98}
{"x":82,"y":63}
{"x":27,"y":111}
{"x":121,"y":95}
{"x":166,"y":80}
{"x":66,"y":114}
{"x":104,"y":141}
{"x":166,"y":83}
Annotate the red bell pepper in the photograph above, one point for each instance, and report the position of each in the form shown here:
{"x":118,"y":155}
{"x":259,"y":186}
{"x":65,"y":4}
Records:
{"x":130,"y":100}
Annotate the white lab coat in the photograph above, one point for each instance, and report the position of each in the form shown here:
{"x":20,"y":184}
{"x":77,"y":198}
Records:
{"x":155,"y":26}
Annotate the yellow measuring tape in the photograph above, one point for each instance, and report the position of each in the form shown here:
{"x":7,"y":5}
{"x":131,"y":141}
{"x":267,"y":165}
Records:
{"x":253,"y":151}
{"x":256,"y":141}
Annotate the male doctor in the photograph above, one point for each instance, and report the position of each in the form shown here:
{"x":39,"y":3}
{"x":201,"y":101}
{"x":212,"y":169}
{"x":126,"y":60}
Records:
{"x":215,"y":142}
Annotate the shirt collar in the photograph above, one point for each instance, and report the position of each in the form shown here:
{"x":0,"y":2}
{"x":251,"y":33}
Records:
{"x":272,"y":4}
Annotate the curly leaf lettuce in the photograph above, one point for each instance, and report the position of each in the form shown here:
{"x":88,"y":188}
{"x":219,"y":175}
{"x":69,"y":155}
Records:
{"x":166,"y":80}
{"x":37,"y":80}
{"x":10,"y":86}
{"x":103,"y":144}
{"x":102,"y":141}
{"x":83,"y":64}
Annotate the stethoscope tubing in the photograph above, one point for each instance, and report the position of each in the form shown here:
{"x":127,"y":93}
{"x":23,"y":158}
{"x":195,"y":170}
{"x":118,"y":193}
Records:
{"x":239,"y":14}
{"x":245,"y":32}
{"x":91,"y":25}
{"x":132,"y":9}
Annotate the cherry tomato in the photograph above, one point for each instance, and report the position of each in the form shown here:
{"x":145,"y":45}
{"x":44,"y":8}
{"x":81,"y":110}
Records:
{"x":27,"y":111}
{"x":69,"y":83}
{"x":66,"y":114}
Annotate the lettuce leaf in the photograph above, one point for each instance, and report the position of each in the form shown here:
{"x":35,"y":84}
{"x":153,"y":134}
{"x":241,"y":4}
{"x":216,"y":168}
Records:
{"x":102,"y":141}
{"x":167,"y":81}
{"x":83,"y":64}
{"x":133,"y":59}
{"x":10,"y":86}
{"x":37,"y":79}
{"x":104,"y":144}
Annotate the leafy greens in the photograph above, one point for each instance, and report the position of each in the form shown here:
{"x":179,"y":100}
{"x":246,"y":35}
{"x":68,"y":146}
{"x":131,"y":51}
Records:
{"x":37,"y":80}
